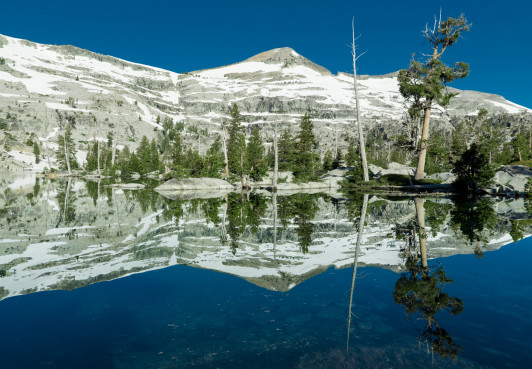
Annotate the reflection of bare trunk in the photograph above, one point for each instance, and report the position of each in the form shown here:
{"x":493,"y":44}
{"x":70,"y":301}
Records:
{"x":355,"y":263}
{"x":420,"y":212}
{"x":223,"y":230}
{"x":275,"y":160}
{"x":274,"y":205}
{"x":98,"y":171}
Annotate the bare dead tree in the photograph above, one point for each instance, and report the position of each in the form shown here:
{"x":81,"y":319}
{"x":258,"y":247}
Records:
{"x":359,"y":121}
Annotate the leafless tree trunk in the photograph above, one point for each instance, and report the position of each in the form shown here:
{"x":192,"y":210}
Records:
{"x":359,"y":121}
{"x":98,"y":169}
{"x":67,"y":159}
{"x":115,"y":142}
{"x":355,"y":263}
{"x":224,"y":142}
{"x":276,"y":159}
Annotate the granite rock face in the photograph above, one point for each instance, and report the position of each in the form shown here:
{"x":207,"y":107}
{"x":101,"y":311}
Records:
{"x":43,"y":87}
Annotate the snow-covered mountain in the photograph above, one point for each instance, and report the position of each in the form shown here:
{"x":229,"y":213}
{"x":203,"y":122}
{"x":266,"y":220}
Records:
{"x":43,"y":86}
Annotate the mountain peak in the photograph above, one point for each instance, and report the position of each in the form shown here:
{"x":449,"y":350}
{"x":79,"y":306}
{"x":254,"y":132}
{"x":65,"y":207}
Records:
{"x":288,"y":57}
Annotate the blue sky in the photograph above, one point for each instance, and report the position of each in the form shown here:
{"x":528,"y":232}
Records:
{"x":184,"y":35}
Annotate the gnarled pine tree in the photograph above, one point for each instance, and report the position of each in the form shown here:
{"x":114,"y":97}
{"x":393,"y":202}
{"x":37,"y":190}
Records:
{"x":424,"y":82}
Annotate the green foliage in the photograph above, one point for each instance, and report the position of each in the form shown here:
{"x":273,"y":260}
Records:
{"x":255,"y":156}
{"x":472,"y":170}
{"x":243,"y":214}
{"x":66,"y":150}
{"x":36,"y":152}
{"x":420,"y":291}
{"x":438,"y":155}
{"x":213,"y":162}
{"x":521,"y":150}
{"x":473,"y":217}
{"x":301,"y":209}
{"x":236,"y":145}
{"x":328,"y":161}
{"x":435,"y":215}
{"x":287,"y":152}
{"x":306,"y":161}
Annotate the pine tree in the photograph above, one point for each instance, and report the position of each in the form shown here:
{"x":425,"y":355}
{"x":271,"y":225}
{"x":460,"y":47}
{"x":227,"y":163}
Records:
{"x":328,"y":161}
{"x":520,"y":147}
{"x":36,"y":152}
{"x":66,"y":153}
{"x":306,"y":159}
{"x":351,"y":157}
{"x":155,"y":163}
{"x":255,"y":155}
{"x":425,"y":82}
{"x":236,"y":146}
{"x":144,"y":155}
{"x":177,"y":158}
{"x":213,"y":161}
{"x":472,"y":170}
{"x":286,"y":151}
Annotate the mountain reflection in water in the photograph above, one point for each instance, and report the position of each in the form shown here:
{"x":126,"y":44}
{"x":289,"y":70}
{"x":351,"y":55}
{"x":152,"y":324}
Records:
{"x":396,"y":296}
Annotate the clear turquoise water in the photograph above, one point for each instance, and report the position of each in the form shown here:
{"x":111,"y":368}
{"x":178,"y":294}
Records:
{"x":182,"y":317}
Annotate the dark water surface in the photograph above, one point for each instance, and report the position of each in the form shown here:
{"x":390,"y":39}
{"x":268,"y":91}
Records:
{"x":183,"y":316}
{"x":93,"y":277}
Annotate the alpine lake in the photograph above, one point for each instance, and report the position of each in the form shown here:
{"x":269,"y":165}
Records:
{"x":94,"y":276}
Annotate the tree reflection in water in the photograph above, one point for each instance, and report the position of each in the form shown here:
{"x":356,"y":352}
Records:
{"x":301,"y":209}
{"x":419,"y":290}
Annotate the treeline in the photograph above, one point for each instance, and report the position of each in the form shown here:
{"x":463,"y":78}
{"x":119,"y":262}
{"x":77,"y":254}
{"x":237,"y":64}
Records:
{"x":501,"y":142}
{"x":238,"y":153}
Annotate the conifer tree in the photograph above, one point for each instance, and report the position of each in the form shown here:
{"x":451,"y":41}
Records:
{"x":177,"y":158}
{"x":286,"y":151}
{"x":66,"y":153}
{"x":236,"y":146}
{"x":36,"y":152}
{"x":306,"y":159}
{"x":425,"y":82}
{"x":255,"y":155}
{"x":328,"y":161}
{"x":213,"y":162}
{"x":144,"y":155}
{"x":155,"y":163}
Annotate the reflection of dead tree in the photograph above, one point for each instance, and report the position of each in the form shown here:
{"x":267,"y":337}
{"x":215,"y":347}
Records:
{"x":355,"y":264}
{"x":274,"y":205}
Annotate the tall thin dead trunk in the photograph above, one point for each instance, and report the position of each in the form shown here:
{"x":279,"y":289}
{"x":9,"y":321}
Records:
{"x":274,"y":205}
{"x":355,"y":263}
{"x":359,"y":121}
{"x":67,"y":159}
{"x":115,"y":142}
{"x":224,"y":142}
{"x":275,"y":160}
{"x":420,"y":170}
{"x":98,"y":169}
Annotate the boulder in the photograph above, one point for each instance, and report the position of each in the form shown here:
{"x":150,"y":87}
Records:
{"x":511,"y":179}
{"x":393,"y":168}
{"x":446,"y":177}
{"x":195,"y":184}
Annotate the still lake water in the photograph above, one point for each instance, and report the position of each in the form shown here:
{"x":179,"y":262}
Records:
{"x":212,"y":283}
